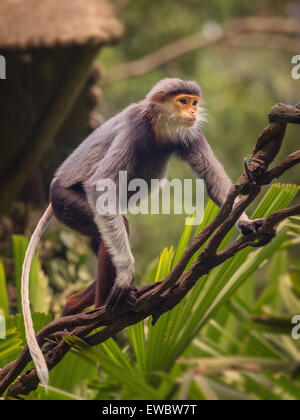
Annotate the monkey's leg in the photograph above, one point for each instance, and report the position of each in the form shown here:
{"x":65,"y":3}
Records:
{"x":106,"y":273}
{"x":122,"y":290}
{"x":71,"y":207}
{"x":99,"y":290}
{"x":105,"y":277}
{"x":81,"y":300}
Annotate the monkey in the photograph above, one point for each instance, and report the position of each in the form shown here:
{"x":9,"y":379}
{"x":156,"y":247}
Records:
{"x":140,"y":140}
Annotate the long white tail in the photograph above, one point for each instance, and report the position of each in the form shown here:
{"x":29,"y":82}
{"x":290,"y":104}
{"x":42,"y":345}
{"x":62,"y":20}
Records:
{"x":34,"y":349}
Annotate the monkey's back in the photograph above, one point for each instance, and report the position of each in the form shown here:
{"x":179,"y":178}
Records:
{"x":84,"y":160}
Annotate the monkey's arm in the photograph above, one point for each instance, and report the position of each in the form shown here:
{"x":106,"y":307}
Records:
{"x":207,"y":167}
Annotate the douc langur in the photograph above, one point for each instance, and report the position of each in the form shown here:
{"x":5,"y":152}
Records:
{"x":139,"y":140}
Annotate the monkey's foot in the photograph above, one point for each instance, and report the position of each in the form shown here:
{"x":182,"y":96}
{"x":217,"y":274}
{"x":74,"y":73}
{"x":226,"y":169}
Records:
{"x":121,"y":293}
{"x":119,"y":297}
{"x":258,"y":166}
{"x":81,"y":300}
{"x":252,"y":227}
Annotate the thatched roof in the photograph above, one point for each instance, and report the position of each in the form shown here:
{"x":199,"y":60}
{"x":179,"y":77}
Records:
{"x":46,"y":23}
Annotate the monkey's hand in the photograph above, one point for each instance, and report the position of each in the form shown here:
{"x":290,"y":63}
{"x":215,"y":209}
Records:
{"x":252,"y":227}
{"x":121,"y":292}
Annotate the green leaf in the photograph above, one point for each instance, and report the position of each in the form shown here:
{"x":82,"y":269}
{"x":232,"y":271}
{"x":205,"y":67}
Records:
{"x":10,"y":346}
{"x":136,"y":334}
{"x":38,"y":281}
{"x":4,"y":305}
{"x":125,"y":377}
{"x":166,"y":344}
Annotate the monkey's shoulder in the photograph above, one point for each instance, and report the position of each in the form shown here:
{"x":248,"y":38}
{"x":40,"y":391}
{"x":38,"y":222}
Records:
{"x":137,"y":128}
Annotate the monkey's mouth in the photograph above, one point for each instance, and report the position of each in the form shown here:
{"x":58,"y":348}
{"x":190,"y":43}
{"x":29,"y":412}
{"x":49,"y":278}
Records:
{"x":189,"y":121}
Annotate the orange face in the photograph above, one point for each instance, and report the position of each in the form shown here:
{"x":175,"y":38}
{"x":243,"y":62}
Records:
{"x":187,"y":106}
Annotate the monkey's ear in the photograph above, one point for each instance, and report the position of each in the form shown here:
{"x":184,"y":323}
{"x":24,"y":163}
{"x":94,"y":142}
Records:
{"x":159,"y":97}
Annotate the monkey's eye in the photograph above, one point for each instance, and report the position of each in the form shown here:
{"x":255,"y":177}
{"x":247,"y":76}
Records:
{"x":183,"y":101}
{"x":195,"y":103}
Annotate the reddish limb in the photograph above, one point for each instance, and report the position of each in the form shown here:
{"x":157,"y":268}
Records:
{"x":105,"y":277}
{"x":81,"y":300}
{"x":99,"y":290}
{"x":106,"y":273}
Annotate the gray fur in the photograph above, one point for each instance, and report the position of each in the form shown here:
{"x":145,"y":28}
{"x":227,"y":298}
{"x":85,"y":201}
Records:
{"x":199,"y":155}
{"x":173,"y":86}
